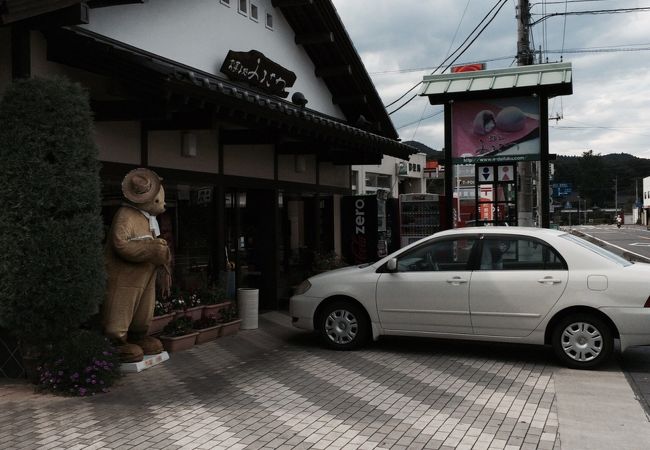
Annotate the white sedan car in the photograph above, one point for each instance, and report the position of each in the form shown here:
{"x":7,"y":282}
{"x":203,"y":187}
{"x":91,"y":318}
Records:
{"x":506,"y":284}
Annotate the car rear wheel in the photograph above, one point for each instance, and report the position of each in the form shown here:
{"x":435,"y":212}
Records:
{"x":582,"y":341}
{"x":343,"y":326}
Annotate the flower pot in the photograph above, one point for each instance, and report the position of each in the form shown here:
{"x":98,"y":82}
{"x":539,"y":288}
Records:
{"x":208,"y":334}
{"x":229,"y":328}
{"x":178,"y":343}
{"x":214,"y":310}
{"x":158,"y":323}
{"x":193,"y":313}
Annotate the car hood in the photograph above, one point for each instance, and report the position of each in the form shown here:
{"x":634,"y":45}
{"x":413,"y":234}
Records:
{"x":339,"y":272}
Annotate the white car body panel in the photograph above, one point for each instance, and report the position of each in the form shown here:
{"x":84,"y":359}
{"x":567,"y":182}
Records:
{"x":483,"y":308}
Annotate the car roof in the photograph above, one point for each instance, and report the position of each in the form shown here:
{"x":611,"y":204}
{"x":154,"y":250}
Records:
{"x":531,"y":231}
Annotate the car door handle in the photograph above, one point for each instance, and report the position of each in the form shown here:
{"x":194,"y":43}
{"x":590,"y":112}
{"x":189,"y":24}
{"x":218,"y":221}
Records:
{"x":549,"y":280}
{"x":456,"y":281}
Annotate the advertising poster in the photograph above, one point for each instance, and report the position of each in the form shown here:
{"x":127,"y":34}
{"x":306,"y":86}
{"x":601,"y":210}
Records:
{"x":359,"y":226}
{"x":495,"y":130}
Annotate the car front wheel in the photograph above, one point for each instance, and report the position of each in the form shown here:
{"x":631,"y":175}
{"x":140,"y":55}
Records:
{"x":582,"y":341}
{"x":343,"y":326}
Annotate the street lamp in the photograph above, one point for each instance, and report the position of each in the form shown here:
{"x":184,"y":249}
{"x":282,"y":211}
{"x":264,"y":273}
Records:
{"x":616,"y":196}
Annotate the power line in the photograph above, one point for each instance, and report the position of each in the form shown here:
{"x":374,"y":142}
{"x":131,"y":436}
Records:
{"x":591,"y":12}
{"x":500,"y":6}
{"x":453,"y":53}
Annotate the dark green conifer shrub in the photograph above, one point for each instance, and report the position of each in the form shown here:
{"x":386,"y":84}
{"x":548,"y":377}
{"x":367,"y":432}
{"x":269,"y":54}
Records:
{"x":51,"y":263}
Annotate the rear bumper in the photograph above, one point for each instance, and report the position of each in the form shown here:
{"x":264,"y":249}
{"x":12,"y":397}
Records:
{"x":633,"y":325}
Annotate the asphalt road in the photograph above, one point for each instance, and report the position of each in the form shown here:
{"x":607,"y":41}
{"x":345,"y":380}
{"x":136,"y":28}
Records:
{"x":632,"y":242}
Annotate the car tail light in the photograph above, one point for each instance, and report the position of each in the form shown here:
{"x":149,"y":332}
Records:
{"x":647,"y":303}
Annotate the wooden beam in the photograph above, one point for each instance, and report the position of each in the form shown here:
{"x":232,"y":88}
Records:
{"x":103,"y":3}
{"x":300,"y":147}
{"x":333,"y":71}
{"x":350,"y":99}
{"x":15,"y":10}
{"x":72,"y":15}
{"x":183,"y":121}
{"x":290,"y":3}
{"x":314,"y":38}
{"x":246,"y":137}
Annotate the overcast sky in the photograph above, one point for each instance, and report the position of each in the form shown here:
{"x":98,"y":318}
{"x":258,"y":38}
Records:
{"x":609,"y":110}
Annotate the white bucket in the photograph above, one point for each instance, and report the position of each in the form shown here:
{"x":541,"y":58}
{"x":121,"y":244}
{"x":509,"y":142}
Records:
{"x":247,"y":303}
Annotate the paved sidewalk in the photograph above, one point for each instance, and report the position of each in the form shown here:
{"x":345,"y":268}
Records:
{"x":275,"y":387}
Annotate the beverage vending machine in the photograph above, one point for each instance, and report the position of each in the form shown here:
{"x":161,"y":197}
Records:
{"x":419,"y":216}
{"x":366,"y":231}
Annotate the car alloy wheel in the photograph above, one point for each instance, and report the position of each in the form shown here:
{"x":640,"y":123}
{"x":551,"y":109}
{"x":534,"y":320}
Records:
{"x":582,"y":341}
{"x":343,"y":325}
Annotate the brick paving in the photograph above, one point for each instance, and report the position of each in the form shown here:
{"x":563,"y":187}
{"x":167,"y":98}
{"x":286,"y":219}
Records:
{"x":275,"y":387}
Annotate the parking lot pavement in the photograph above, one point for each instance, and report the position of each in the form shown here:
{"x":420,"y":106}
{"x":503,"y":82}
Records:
{"x":276,"y":387}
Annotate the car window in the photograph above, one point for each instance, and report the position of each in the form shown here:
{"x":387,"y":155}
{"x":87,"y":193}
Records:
{"x":596,"y":249}
{"x":449,"y":254}
{"x":519,"y":253}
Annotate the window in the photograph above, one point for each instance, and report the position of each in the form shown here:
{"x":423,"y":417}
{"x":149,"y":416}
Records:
{"x":519,"y":253}
{"x":269,"y":21}
{"x":243,"y":7}
{"x":598,"y":250}
{"x":225,"y":2}
{"x":254,"y":12}
{"x":450,"y":254}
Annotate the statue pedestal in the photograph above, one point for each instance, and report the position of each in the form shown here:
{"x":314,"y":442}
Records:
{"x":148,"y":362}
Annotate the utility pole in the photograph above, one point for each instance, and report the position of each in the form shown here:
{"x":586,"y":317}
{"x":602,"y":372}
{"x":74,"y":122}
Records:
{"x":524,"y":169}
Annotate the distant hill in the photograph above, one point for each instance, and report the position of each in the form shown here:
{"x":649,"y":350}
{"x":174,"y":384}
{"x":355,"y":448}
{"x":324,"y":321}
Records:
{"x":422,"y":148}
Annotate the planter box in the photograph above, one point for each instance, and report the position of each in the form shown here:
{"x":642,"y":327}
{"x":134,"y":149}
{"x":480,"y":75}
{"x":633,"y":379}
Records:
{"x":178,"y":343}
{"x":208,"y":334}
{"x":158,"y":323}
{"x":230,"y":327}
{"x":194,"y":313}
{"x":215,"y":310}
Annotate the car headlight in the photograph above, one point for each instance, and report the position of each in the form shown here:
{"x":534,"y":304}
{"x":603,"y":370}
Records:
{"x":302,"y":288}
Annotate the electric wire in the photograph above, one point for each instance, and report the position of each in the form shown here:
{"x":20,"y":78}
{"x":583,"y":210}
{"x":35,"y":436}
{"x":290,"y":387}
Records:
{"x":500,"y":6}
{"x":501,"y":2}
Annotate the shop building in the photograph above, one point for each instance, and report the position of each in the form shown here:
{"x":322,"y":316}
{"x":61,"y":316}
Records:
{"x":253,"y":112}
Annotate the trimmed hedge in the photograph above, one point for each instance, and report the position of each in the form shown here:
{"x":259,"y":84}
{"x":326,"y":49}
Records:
{"x":51,"y":263}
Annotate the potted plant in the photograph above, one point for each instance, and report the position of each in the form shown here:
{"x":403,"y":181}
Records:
{"x":162,"y":315}
{"x":230,"y":323}
{"x":187,"y":305}
{"x":179,"y":334}
{"x":208,"y":328}
{"x":214,"y":300}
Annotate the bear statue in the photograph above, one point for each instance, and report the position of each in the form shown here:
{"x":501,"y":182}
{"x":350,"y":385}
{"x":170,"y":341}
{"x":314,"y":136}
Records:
{"x":134,"y":254}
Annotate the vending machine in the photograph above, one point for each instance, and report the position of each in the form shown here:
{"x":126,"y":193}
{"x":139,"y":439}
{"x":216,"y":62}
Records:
{"x":419,"y":216}
{"x":366,"y":232}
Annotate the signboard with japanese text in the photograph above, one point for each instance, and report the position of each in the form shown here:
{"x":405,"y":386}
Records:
{"x":254,"y":68}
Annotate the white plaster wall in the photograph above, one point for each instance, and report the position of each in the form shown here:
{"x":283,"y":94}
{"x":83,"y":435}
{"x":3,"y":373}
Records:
{"x":646,"y":192}
{"x":388,"y":166}
{"x":118,"y":141}
{"x":331,"y":175}
{"x":199,"y":33}
{"x":5,"y":58}
{"x":255,"y":161}
{"x":287,"y":169}
{"x":165,"y":151}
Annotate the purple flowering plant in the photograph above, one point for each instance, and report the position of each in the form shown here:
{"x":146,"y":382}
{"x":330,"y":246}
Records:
{"x":83,"y":364}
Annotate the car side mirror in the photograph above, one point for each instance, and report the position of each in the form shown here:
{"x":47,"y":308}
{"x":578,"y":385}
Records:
{"x":391,"y":265}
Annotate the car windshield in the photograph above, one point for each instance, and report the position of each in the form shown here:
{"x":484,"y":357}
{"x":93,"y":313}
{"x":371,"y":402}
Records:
{"x":598,"y":250}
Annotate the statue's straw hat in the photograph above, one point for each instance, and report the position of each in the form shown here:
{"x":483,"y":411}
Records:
{"x":141,"y":185}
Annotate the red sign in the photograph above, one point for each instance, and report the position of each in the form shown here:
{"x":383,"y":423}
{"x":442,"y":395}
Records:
{"x":468,"y":68}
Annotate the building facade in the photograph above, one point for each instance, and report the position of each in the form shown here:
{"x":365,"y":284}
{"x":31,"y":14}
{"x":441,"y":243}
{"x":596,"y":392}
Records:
{"x":252,"y":112}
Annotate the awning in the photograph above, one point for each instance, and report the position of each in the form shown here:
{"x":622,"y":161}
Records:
{"x":548,"y":80}
{"x":160,"y":77}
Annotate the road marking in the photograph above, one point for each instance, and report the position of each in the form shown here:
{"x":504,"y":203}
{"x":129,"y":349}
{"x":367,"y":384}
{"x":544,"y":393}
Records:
{"x":641,"y":244}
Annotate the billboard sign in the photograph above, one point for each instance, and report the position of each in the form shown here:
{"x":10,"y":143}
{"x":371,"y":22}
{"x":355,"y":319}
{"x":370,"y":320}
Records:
{"x":495,"y":130}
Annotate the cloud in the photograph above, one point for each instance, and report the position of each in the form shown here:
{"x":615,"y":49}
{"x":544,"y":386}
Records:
{"x":608,"y":111}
